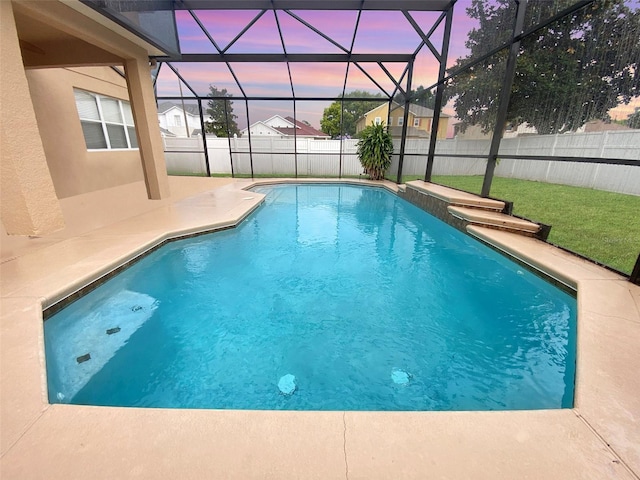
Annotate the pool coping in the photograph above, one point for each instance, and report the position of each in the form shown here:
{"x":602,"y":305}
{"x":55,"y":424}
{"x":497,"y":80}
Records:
{"x":598,"y":438}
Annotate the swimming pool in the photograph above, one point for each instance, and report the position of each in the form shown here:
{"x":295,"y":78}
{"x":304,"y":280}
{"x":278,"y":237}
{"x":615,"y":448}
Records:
{"x":327,"y":298}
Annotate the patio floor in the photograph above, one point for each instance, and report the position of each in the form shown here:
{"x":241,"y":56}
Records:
{"x":598,"y":439}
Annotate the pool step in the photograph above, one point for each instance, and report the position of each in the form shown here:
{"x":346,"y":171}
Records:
{"x":494,"y":219}
{"x":456,"y":197}
{"x":461,"y":209}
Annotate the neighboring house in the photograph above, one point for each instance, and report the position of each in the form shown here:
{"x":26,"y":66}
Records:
{"x":420,"y":120}
{"x":166,"y":133}
{"x":601,"y":126}
{"x":278,"y":126}
{"x":520,"y":130}
{"x":475,"y":132}
{"x":172,"y":118}
{"x":471,"y":132}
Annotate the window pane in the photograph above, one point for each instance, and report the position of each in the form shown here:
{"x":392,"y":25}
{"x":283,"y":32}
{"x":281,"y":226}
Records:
{"x":111,"y":110}
{"x":128,"y":115}
{"x":86,"y":103}
{"x":116,"y":136}
{"x":132,"y":137}
{"x":93,"y":135}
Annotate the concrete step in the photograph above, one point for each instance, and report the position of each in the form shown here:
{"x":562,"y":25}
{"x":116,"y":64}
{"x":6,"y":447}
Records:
{"x":494,"y":219}
{"x":456,"y":197}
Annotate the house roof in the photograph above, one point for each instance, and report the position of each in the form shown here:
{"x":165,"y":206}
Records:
{"x":302,"y":129}
{"x":259,"y":122}
{"x":422,"y":112}
{"x":166,"y":132}
{"x":190,"y":108}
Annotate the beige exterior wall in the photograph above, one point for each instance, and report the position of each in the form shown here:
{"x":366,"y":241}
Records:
{"x":74,"y":169}
{"x":28,"y":204}
{"x":383,"y":112}
{"x":43,"y":158}
{"x":145,"y":115}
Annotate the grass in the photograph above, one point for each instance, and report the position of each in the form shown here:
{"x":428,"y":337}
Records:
{"x":603,"y":226}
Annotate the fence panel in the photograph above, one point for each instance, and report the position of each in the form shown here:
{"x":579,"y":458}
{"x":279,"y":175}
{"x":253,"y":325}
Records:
{"x":322,"y":158}
{"x":184,"y":156}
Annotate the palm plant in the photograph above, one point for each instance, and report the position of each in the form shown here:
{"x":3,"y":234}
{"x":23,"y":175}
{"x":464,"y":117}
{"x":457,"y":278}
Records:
{"x":375,"y":148}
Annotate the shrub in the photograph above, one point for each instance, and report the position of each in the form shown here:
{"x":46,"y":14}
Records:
{"x":375,"y":148}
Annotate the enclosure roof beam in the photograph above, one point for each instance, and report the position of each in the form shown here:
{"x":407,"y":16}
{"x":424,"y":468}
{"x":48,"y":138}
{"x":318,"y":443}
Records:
{"x":164,"y":5}
{"x":294,"y":57}
{"x":413,"y":5}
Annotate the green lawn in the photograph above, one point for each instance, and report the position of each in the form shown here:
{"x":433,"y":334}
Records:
{"x":601,"y":225}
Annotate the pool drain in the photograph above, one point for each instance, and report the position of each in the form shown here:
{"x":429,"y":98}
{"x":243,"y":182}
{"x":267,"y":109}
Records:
{"x":400,"y":377}
{"x":287,"y":384}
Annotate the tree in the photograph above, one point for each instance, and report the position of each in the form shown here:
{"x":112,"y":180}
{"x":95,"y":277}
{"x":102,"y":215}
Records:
{"x":222,"y":121}
{"x":634,"y":119}
{"x":567,"y":73}
{"x":352,"y":111}
{"x":420,"y":96}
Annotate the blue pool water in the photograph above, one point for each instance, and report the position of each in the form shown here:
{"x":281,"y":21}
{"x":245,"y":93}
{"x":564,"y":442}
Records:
{"x":326,"y":298}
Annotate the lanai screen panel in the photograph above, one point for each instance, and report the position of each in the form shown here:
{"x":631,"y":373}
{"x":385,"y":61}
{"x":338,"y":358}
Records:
{"x":290,"y":32}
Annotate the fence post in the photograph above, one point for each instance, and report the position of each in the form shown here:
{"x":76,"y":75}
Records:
{"x":635,"y":274}
{"x":505,"y":97}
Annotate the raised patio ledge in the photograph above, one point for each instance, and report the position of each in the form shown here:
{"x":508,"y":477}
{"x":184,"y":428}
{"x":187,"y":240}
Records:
{"x":456,"y":197}
{"x":598,"y":439}
{"x":494,"y":219}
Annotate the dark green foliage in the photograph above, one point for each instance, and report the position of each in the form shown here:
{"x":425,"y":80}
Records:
{"x":567,"y":73}
{"x":420,"y":96}
{"x":351,"y":112}
{"x":218,"y":123}
{"x":375,"y":148}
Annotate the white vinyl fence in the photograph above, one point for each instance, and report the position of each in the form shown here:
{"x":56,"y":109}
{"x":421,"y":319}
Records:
{"x":321,"y":158}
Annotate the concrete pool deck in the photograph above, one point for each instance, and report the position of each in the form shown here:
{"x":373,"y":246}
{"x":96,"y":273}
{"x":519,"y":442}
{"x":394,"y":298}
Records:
{"x":598,"y":439}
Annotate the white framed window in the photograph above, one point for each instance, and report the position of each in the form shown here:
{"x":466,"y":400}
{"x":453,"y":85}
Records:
{"x":107,"y":123}
{"x":377,"y":121}
{"x":177,"y":120}
{"x":416,"y":122}
{"x":400,"y":121}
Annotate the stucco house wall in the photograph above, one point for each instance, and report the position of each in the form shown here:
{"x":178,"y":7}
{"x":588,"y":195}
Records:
{"x":73,"y":168}
{"x":382,"y":112}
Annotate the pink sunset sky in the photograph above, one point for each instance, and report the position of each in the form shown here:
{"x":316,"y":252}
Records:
{"x":378,"y":32}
